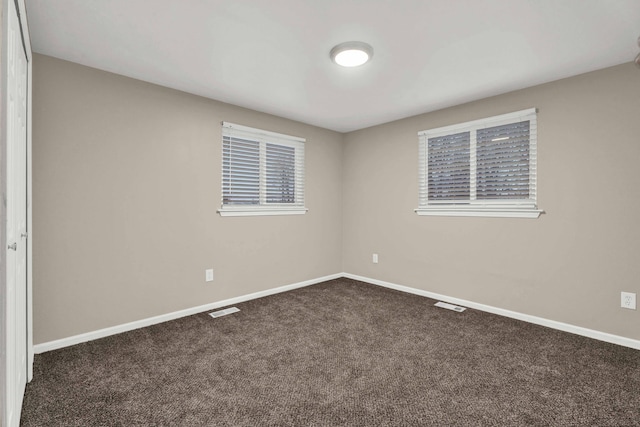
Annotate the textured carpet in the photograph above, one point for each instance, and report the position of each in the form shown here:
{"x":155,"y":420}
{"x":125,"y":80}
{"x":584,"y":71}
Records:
{"x":337,"y":353}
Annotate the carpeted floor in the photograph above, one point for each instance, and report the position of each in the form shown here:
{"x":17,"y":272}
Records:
{"x":340,"y":353}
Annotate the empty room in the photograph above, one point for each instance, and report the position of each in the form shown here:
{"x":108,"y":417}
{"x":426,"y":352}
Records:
{"x":320,"y":213}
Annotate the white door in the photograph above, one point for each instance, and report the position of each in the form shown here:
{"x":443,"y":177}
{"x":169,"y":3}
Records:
{"x":16,"y":291}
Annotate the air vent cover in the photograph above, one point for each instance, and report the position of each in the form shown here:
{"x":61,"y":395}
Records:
{"x":450,"y":306}
{"x":224,"y":312}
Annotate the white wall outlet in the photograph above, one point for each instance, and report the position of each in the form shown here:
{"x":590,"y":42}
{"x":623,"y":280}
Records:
{"x":628,"y":300}
{"x":375,"y":258}
{"x":208,"y":275}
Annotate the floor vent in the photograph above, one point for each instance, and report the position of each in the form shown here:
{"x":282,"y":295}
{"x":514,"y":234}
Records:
{"x":450,"y":306}
{"x":224,"y":312}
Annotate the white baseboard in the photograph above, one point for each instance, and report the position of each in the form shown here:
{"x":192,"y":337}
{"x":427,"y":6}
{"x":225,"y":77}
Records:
{"x":101,"y":333}
{"x":578,"y":330}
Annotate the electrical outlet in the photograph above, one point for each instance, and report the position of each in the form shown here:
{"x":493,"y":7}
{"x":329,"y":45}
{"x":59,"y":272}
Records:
{"x":208,"y":275}
{"x":375,"y":258}
{"x":628,"y":300}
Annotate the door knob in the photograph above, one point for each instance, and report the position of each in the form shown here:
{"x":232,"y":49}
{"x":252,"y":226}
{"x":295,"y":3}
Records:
{"x":24,"y":235}
{"x":13,"y":246}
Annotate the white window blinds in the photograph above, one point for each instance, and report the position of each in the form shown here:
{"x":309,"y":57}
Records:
{"x":280,"y":174}
{"x":482,"y":168}
{"x":240,"y":171}
{"x":449,"y":167}
{"x":262,"y":172}
{"x":503,"y":156}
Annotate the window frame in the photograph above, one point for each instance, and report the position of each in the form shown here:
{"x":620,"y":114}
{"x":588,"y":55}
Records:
{"x":263,"y":138}
{"x":511,"y":208}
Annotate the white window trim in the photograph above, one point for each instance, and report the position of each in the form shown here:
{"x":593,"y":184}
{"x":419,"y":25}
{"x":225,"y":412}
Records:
{"x":485,"y":208}
{"x":264,"y":209}
{"x":231,"y":211}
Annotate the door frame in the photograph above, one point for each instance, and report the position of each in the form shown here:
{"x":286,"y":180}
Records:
{"x":22,"y":17}
{"x":27,"y":45}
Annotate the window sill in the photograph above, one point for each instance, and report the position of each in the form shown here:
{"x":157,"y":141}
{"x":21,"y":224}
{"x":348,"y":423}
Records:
{"x":261,"y":211}
{"x":481,"y":212}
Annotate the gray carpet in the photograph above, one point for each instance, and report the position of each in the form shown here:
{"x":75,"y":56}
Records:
{"x":340,"y":353}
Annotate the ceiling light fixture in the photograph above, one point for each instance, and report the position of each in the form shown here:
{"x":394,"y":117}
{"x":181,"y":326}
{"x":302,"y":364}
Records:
{"x":351,"y":54}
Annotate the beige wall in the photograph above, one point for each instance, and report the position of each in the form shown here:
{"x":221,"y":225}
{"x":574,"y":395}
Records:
{"x":570,"y":264}
{"x":126,"y":186}
{"x":127,"y":183}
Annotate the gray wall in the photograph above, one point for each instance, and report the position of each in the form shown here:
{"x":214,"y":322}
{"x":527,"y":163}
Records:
{"x":126,"y":185}
{"x":570,"y":264}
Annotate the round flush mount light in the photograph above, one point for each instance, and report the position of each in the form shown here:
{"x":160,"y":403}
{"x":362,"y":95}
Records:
{"x":351,"y":54}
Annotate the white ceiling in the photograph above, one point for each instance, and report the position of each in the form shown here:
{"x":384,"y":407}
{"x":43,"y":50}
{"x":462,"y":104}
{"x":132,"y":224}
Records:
{"x":273,"y":55}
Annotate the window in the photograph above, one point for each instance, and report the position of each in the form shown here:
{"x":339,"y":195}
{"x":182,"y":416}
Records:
{"x":481,"y":168}
{"x":262,"y":172}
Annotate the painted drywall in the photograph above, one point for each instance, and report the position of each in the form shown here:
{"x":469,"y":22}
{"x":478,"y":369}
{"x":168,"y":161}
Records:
{"x":570,"y":264}
{"x":126,"y":184}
